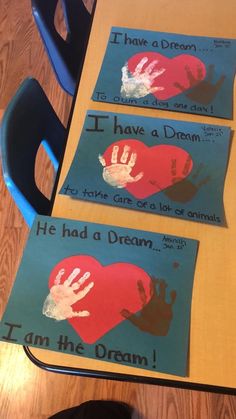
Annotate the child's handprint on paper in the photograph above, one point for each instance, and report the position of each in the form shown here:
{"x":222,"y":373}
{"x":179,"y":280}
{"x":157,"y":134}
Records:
{"x":186,"y":189}
{"x":139,"y":84}
{"x":204,"y":91}
{"x":162,"y":74}
{"x":58,"y":304}
{"x":156,"y":315}
{"x":142,"y":170}
{"x":178,"y":177}
{"x":185,"y":171}
{"x":117,"y":172}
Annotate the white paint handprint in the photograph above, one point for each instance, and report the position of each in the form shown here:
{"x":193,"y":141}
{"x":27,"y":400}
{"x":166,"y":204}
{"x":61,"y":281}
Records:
{"x":58,"y":304}
{"x":139,"y":84}
{"x":118,"y":173}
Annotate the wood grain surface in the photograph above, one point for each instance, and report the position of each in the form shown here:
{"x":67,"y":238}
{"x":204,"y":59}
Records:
{"x":27,"y":392}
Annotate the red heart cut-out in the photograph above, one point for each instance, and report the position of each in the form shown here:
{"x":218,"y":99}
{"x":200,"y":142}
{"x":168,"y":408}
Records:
{"x":184,"y":69}
{"x":161,"y":165}
{"x":115,"y":289}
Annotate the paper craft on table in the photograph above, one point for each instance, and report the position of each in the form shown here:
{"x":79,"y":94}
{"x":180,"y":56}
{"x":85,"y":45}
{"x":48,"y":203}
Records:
{"x":104,"y":292}
{"x":155,"y":165}
{"x":168,"y":71}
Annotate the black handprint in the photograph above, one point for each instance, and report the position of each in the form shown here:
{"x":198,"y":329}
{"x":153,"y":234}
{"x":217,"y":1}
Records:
{"x":204,"y":91}
{"x":187,"y":188}
{"x":156,"y":315}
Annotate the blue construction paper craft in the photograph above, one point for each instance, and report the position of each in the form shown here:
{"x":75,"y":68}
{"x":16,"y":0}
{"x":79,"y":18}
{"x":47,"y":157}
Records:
{"x":155,"y":165}
{"x":104,"y":292}
{"x":168,"y":71}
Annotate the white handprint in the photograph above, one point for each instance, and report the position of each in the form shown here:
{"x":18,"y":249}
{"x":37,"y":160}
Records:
{"x":118,"y":173}
{"x":58,"y":304}
{"x":139,"y":84}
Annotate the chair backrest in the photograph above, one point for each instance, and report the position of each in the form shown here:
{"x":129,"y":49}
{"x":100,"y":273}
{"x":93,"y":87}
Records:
{"x":28,"y":120}
{"x":66,"y":56}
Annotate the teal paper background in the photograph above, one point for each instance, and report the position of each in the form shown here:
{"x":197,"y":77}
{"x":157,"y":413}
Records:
{"x":212,"y":51}
{"x":211,"y":151}
{"x":44,"y":251}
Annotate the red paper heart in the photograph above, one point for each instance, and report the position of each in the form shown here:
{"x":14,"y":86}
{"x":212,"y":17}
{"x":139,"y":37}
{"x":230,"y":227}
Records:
{"x":161,"y":165}
{"x":115,"y":289}
{"x":187,"y":70}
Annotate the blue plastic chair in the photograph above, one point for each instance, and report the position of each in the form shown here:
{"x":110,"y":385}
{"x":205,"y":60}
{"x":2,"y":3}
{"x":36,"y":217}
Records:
{"x":28,"y":121}
{"x":66,"y":56}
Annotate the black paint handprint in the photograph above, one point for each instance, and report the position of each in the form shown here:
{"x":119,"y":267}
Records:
{"x":204,"y":91}
{"x":187,"y":188}
{"x":156,"y":315}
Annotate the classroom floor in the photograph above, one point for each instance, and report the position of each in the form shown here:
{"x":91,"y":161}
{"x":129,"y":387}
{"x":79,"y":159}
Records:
{"x":26,"y":391}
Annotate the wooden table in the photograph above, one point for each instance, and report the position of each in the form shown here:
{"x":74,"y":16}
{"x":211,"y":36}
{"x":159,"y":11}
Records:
{"x":212,"y":349}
